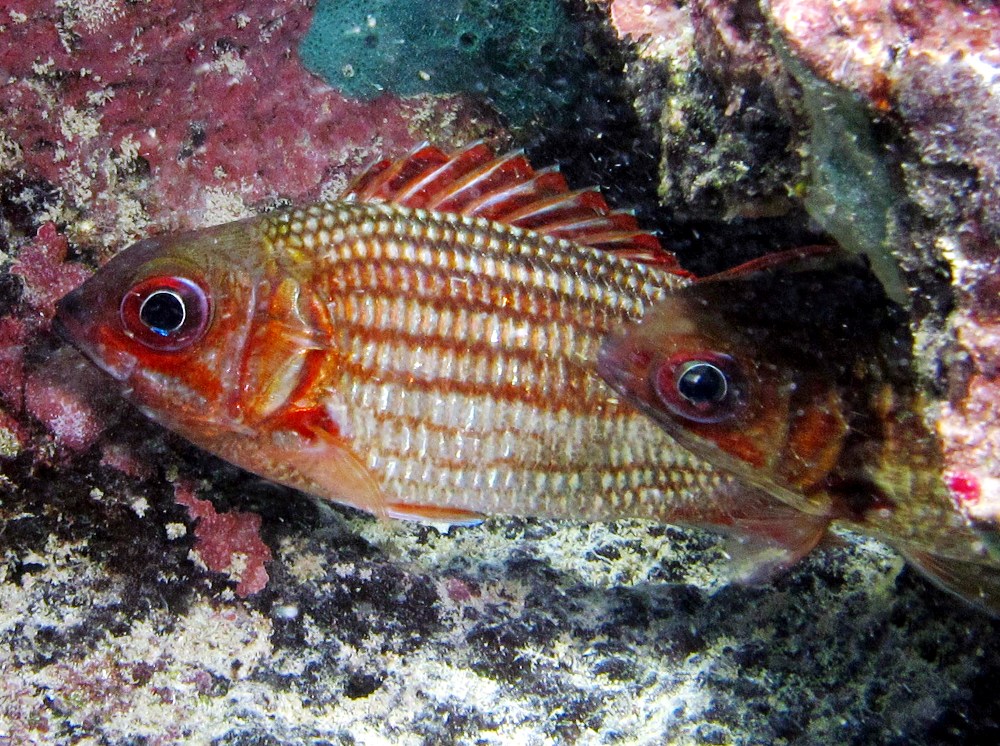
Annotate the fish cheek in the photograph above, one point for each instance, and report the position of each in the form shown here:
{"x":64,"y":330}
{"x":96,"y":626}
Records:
{"x":753,"y":435}
{"x":189,"y":387}
{"x":817,"y":431}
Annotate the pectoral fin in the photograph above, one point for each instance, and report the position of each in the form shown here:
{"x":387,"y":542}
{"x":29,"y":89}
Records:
{"x":764,"y":535}
{"x":318,"y":460}
{"x":760,"y":549}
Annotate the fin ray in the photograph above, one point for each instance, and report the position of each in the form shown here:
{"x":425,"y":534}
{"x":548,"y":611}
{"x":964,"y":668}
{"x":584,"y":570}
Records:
{"x":974,"y":582}
{"x":434,"y":514}
{"x":474,"y":182}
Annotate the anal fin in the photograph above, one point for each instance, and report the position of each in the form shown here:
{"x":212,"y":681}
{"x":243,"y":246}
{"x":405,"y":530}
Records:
{"x":433,"y":514}
{"x":974,"y":582}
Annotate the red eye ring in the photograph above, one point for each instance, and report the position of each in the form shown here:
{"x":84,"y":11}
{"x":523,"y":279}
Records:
{"x":704,"y":387}
{"x":165,"y":313}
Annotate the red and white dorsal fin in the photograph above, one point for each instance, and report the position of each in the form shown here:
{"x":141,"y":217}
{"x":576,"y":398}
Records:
{"x":506,"y":189}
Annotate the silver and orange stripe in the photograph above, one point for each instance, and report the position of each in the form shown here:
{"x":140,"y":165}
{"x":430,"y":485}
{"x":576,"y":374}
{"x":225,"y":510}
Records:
{"x":466,"y":353}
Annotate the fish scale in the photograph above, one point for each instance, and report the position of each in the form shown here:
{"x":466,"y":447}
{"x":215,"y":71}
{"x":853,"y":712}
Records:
{"x":454,"y":307}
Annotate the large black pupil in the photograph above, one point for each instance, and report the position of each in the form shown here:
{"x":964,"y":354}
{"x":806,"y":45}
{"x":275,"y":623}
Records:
{"x":702,"y":383}
{"x":162,"y":312}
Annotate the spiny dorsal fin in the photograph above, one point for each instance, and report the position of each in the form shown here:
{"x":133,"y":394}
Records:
{"x":506,"y":189}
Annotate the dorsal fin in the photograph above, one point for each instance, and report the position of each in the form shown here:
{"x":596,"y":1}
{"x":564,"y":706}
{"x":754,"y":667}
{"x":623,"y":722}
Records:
{"x":506,"y":189}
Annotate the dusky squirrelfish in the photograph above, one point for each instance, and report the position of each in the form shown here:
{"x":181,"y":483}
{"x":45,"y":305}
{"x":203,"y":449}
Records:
{"x":424,"y":348}
{"x":793,"y":379}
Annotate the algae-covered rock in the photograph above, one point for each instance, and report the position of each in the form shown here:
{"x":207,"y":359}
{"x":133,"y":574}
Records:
{"x":927,"y":71}
{"x":850,"y":190}
{"x":134,"y":612}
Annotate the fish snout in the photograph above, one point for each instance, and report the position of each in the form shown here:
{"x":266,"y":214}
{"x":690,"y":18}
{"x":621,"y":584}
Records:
{"x":80,"y":321}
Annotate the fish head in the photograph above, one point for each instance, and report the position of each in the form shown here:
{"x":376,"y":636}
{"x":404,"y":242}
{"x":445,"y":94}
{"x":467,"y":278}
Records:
{"x":164,"y":318}
{"x":735,"y":373}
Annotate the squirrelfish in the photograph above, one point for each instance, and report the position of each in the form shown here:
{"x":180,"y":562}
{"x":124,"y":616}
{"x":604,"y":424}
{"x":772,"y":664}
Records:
{"x":424,"y":347}
{"x":793,"y":380}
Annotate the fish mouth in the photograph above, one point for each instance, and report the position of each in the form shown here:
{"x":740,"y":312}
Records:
{"x":60,"y":327}
{"x":65,"y":323}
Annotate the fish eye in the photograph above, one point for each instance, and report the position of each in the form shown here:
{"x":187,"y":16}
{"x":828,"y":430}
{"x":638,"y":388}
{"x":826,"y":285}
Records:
{"x":165,"y":313}
{"x":702,"y":383}
{"x":704,"y":388}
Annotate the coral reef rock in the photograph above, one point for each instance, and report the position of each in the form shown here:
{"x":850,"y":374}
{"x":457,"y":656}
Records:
{"x":152,"y":594}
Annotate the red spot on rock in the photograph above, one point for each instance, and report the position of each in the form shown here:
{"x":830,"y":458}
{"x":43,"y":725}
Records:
{"x":227,"y":542}
{"x":123,"y":457}
{"x":460,"y":590}
{"x":48,"y":233}
{"x":965,"y":488}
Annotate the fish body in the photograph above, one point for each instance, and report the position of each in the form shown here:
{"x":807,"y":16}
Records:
{"x":423,"y":348}
{"x":790,"y":380}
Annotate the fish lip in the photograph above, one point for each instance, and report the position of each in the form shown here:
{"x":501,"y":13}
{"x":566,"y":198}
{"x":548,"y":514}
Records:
{"x":121,"y":370}
{"x":61,"y":328}
{"x":65,"y":321}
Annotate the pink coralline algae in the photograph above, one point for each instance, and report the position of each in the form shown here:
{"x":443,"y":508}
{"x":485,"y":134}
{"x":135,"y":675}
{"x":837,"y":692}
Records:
{"x":68,"y":400}
{"x":227,"y":542}
{"x":62,"y":393}
{"x":13,"y":336}
{"x":153,"y":114}
{"x":46,"y":273}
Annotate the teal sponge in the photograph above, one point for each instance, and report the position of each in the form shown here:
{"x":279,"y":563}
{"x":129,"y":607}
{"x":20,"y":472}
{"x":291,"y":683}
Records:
{"x":520,"y":54}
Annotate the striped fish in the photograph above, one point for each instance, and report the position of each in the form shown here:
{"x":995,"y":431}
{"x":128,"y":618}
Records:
{"x":424,"y":347}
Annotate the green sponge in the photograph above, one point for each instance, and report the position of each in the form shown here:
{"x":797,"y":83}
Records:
{"x":522,"y":55}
